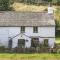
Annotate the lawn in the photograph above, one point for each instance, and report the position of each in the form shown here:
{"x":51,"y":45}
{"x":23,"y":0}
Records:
{"x":27,"y":8}
{"x":6,"y":56}
{"x":57,"y":40}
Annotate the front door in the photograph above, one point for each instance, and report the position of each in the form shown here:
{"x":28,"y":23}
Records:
{"x":35,"y":42}
{"x":46,"y":42}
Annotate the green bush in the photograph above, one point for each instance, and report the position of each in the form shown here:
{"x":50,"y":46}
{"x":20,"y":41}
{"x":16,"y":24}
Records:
{"x":2,"y":49}
{"x":58,"y":2}
{"x":5,"y":5}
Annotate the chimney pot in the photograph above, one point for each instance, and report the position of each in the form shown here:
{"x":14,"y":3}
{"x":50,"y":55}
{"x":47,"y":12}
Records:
{"x":50,"y":10}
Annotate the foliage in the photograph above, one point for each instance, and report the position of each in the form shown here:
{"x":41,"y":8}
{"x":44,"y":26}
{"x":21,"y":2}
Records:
{"x":48,"y":0}
{"x":2,"y":48}
{"x":4,"y":4}
{"x":58,"y":2}
{"x":54,"y":1}
{"x":57,"y":40}
{"x":57,"y":17}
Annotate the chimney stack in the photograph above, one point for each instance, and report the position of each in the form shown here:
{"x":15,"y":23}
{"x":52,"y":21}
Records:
{"x":50,"y":9}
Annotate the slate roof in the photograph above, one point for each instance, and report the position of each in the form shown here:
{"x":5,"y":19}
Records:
{"x":8,"y":18}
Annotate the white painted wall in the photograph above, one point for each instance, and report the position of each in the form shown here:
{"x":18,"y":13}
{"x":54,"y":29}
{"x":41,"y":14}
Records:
{"x":3,"y":37}
{"x":42,"y":31}
{"x":6,"y":32}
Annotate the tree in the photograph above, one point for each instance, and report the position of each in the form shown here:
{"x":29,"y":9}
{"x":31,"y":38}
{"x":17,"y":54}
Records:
{"x":4,"y":5}
{"x":58,"y":2}
{"x":50,"y":1}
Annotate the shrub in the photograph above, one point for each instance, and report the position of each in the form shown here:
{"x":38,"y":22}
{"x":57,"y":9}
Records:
{"x":2,"y":49}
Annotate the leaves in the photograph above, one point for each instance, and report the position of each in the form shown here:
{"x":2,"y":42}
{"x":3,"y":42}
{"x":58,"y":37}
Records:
{"x":4,"y":5}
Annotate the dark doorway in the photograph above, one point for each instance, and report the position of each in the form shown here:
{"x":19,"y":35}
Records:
{"x":46,"y":42}
{"x":35,"y":42}
{"x":10,"y":43}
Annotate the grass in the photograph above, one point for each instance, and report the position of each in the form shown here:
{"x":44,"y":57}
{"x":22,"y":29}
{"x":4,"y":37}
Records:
{"x":57,"y":40}
{"x":57,"y":15}
{"x":36,"y":56}
{"x":24,"y":7}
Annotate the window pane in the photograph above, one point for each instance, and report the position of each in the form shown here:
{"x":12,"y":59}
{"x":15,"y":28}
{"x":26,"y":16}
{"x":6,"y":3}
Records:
{"x":35,"y":29}
{"x":21,"y":42}
{"x":22,"y":29}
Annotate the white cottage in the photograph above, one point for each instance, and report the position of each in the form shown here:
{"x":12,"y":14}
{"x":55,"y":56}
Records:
{"x":24,"y":27}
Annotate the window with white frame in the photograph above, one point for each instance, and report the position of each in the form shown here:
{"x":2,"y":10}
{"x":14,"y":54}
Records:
{"x":35,"y":29}
{"x":22,"y":29}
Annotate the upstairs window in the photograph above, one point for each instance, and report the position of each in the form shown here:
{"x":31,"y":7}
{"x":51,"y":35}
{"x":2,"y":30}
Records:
{"x":35,"y":29}
{"x":22,"y":29}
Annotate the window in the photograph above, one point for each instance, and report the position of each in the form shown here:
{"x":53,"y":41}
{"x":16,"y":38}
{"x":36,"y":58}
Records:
{"x":21,"y":43}
{"x":35,"y":29}
{"x":22,"y":29}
